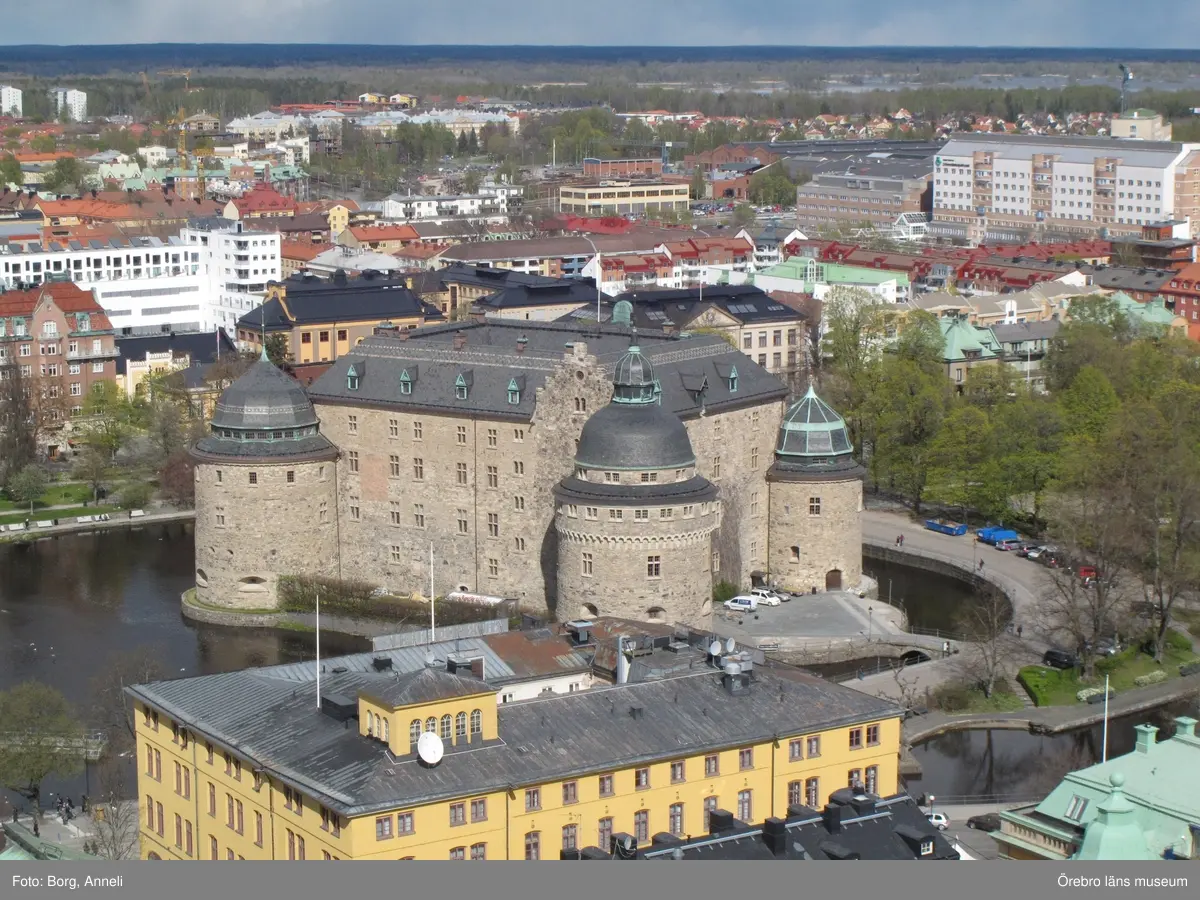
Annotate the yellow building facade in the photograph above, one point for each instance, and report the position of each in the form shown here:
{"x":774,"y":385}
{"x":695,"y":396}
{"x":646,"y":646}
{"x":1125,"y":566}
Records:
{"x":201,"y":800}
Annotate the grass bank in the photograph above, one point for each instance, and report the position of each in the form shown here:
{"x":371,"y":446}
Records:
{"x":64,"y":516}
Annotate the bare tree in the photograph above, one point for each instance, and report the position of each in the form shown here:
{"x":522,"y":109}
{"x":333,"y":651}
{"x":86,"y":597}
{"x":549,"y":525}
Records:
{"x":907,"y":686}
{"x":115,"y":817}
{"x":110,"y":708}
{"x":984,"y":622}
{"x":18,"y":440}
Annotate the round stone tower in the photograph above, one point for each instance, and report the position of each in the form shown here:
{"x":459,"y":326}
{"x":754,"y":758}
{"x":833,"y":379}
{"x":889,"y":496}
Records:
{"x":635,"y":521}
{"x":815,"y":487}
{"x":265,"y":492}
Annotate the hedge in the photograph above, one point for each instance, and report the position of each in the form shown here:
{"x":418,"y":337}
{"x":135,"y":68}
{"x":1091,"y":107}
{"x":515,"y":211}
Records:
{"x":1036,"y":680}
{"x":1150,"y":678}
{"x":1086,"y":694}
{"x":350,"y":597}
{"x":1192,"y":668}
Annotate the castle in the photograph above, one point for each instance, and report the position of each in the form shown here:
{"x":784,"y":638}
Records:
{"x":589,"y":470}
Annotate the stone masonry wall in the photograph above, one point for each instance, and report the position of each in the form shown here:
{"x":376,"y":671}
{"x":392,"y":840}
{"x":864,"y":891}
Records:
{"x":830,"y":540}
{"x":247,"y":535}
{"x":604,"y":565}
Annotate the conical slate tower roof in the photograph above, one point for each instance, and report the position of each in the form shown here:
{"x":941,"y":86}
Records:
{"x":814,"y":439}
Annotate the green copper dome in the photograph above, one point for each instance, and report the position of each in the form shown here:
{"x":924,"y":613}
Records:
{"x":633,"y":379}
{"x":812,"y":430}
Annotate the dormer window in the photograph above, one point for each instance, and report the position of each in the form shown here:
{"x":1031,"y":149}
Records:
{"x":407,"y":377}
{"x":733,"y":381}
{"x":352,"y":379}
{"x":462,"y":385}
{"x":514,"y":390}
{"x":927,"y":848}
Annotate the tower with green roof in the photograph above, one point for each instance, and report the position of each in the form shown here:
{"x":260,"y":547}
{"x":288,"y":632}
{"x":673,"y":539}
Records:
{"x":815,"y":499}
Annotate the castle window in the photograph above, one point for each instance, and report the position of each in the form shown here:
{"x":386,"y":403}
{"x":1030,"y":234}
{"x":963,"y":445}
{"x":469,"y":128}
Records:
{"x":219,"y":476}
{"x":795,"y":554}
{"x":653,"y":566}
{"x":352,"y":424}
{"x":493,"y":522}
{"x":462,"y":521}
{"x":461,"y":435}
{"x":460,"y":470}
{"x":419,"y":515}
{"x":418,"y":430}
{"x":754,"y":457}
{"x":587,"y":564}
{"x":716,"y":466}
{"x":491,"y":437}
{"x":393,"y":428}
{"x":395,"y":554}
{"x":641,"y":515}
{"x":254,"y":478}
{"x":352,"y":460}
{"x":291,"y":477}
{"x":355,"y":512}
{"x":615,"y":515}
{"x":591,"y":512}
{"x":666,"y":513}
{"x":519,"y":544}
{"x":493,"y":568}
{"x":493,"y":476}
{"x":460,"y":387}
{"x":716,"y":560}
{"x":649,"y":477}
{"x":612,"y":477}
{"x":418,"y":469}
{"x":580,"y":404}
{"x":754,"y":504}
{"x":518,"y":467}
{"x":814,"y":506}
{"x":519,"y":504}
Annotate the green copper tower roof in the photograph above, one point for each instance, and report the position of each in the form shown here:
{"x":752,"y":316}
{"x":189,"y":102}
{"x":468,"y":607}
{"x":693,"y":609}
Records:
{"x":1115,"y":832}
{"x":812,"y":430}
{"x":633,"y":379}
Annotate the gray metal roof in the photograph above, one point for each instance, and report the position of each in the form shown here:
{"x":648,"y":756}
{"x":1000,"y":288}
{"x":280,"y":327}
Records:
{"x":1070,"y":149}
{"x":490,"y":355}
{"x":266,"y":721}
{"x":634,"y":436}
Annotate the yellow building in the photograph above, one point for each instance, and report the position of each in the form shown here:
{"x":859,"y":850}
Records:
{"x":244,"y":765}
{"x":622,"y":197}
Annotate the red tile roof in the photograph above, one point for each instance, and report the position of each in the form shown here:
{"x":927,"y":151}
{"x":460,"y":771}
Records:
{"x":384,"y":232}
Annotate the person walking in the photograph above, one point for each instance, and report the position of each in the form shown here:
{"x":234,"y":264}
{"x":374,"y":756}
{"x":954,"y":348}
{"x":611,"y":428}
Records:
{"x":1019,"y":629}
{"x":901,"y":540}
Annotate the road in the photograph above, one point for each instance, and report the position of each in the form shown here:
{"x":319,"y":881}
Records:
{"x":978,"y":843}
{"x":1020,"y":579}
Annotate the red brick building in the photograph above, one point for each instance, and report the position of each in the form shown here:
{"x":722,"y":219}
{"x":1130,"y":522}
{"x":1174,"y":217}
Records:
{"x":622,"y":168}
{"x":64,"y":344}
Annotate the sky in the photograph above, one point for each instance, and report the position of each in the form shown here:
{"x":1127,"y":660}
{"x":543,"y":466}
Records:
{"x":1020,"y":23}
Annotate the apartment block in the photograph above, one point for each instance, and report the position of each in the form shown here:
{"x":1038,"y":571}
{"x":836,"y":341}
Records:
{"x":72,"y":101}
{"x":865,"y":191}
{"x":622,"y":197}
{"x":10,"y":101}
{"x":1013,"y":187}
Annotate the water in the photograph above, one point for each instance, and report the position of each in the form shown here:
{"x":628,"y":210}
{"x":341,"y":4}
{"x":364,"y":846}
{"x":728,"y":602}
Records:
{"x":932,"y":602}
{"x":1017,"y":763}
{"x":68,"y":604}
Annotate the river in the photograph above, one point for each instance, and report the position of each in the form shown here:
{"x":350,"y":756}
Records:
{"x":68,"y":604}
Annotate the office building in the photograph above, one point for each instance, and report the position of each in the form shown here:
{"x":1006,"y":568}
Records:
{"x":865,"y":191}
{"x":623,"y":198}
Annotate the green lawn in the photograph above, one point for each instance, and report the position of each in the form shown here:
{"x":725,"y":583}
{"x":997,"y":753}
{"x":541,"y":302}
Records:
{"x":63,"y":515}
{"x":1055,"y":687}
{"x":962,"y":698}
{"x":55,"y":495}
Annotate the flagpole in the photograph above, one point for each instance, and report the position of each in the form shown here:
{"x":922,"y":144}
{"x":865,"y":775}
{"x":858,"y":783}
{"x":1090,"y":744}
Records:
{"x":1104,"y":750}
{"x":318,"y":649}
{"x":432,"y":623}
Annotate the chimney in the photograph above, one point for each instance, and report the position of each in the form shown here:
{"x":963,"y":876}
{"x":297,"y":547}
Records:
{"x":1185,"y":726}
{"x":834,"y":814}
{"x":1145,"y":738}
{"x":775,"y":836}
{"x":720,"y":820}
{"x":460,"y":340}
{"x":668,"y":328}
{"x":381,"y":663}
{"x":622,"y":662}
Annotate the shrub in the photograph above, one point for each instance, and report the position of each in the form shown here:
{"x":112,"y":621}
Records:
{"x":351,"y":597}
{"x":724,"y":590}
{"x":136,"y":494}
{"x":1087,"y":693}
{"x":1036,"y":680}
{"x":1192,"y":668}
{"x":1177,"y":641}
{"x":1154,"y":677}
{"x":952,"y":697}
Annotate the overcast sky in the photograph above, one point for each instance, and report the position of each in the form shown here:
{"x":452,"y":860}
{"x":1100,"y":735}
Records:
{"x":1025,"y":23}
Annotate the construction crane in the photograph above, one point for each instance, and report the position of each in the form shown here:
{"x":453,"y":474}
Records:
{"x":185,"y":74}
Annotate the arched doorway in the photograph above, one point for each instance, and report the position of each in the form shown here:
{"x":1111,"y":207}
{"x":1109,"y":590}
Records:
{"x":833,"y":580}
{"x":656,"y":614}
{"x":152,"y":855}
{"x":588,"y":611}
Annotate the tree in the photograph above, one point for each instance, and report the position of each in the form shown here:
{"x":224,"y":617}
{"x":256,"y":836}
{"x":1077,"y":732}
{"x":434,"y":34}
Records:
{"x":40,"y":730}
{"x":18,"y":440}
{"x":1089,"y":404}
{"x":471,"y":181}
{"x":28,"y":485}
{"x":166,"y":427}
{"x":67,"y":176}
{"x":744,"y":214}
{"x":699,"y":184}
{"x":177,"y":481}
{"x":984,"y":621}
{"x":43,"y":143}
{"x":115,"y":832}
{"x":107,"y":418}
{"x":109,"y":707}
{"x":93,"y":467}
{"x":10,"y":172}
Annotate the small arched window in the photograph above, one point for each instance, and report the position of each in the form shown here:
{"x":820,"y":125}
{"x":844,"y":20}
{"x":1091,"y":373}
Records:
{"x":431,"y":724}
{"x":414,"y":731}
{"x":370,"y":722}
{"x":795,"y":554}
{"x":447,"y":727}
{"x":476,"y":721}
{"x":386,"y":731}
{"x":656,"y":614}
{"x":460,"y":725}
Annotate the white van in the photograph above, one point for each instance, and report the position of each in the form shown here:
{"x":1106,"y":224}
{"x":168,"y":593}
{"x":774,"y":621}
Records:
{"x":765,"y":597}
{"x":742,"y":604}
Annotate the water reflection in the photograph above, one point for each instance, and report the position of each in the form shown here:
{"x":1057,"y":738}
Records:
{"x":1019,"y":763}
{"x":68,"y":604}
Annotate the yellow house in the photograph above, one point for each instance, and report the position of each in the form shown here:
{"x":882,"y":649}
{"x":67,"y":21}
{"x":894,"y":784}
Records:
{"x":248,"y":765}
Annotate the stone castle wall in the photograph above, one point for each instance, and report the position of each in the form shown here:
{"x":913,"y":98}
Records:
{"x":604,"y":565}
{"x":807,"y":545}
{"x":247,"y":535}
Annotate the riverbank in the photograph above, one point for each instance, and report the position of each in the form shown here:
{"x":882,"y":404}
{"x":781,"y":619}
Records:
{"x":287,"y":621}
{"x":118,"y":520}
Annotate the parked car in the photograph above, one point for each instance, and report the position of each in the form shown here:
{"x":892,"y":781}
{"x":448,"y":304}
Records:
{"x":939,"y":821}
{"x":1008,"y":545}
{"x":742,"y":604}
{"x":766,"y":597}
{"x":985,"y":822}
{"x":1027,"y":547}
{"x":1109,"y":646}
{"x":1087,"y":574}
{"x":1060,"y":659}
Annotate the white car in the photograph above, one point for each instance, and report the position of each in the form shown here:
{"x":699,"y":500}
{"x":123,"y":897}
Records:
{"x":939,"y":821}
{"x":742,"y":604}
{"x":765,"y":597}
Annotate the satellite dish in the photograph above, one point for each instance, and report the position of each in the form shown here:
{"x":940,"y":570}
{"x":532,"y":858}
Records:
{"x":715,"y":648}
{"x":430,"y":749}
{"x":730,"y":645}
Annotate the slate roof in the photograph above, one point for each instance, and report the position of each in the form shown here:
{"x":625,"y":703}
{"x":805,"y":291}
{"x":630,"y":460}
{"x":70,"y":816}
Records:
{"x":1017,"y":332}
{"x":425,"y":686}
{"x":265,"y":720}
{"x":621,"y":436}
{"x":683,"y":365}
{"x":861,"y":826}
{"x":199,"y":346}
{"x":314,"y":301}
{"x":744,"y":302}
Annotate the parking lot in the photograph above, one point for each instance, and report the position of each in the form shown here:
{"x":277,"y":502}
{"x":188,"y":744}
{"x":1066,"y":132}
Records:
{"x":829,"y":615}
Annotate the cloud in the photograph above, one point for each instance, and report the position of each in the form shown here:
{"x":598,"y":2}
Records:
{"x":1019,"y":23}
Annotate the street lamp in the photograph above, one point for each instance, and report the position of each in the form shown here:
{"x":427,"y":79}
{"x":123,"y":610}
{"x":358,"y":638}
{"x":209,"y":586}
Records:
{"x":870,"y":622}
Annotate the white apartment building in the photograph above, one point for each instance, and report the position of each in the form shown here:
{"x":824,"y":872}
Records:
{"x":155,"y":156}
{"x":204,"y":278}
{"x":1017,"y":187}
{"x":73,"y":101}
{"x":10,"y":101}
{"x":493,"y":202}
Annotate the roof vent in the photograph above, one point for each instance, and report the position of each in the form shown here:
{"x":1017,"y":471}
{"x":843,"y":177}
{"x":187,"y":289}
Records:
{"x":381,"y":663}
{"x":678,"y":646}
{"x":580,"y":631}
{"x":339,"y":707}
{"x":637,"y":712}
